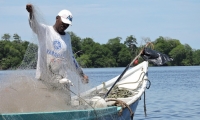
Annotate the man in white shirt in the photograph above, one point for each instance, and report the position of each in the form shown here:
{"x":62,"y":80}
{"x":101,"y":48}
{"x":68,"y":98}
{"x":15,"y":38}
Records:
{"x":56,"y":62}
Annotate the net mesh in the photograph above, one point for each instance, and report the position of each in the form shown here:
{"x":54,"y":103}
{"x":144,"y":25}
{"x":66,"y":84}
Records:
{"x":22,"y":93}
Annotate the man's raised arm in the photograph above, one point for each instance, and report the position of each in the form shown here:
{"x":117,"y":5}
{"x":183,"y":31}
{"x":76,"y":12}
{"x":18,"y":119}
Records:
{"x":29,"y":8}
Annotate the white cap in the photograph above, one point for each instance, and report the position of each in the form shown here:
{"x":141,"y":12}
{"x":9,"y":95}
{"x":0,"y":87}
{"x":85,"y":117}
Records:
{"x":66,"y":16}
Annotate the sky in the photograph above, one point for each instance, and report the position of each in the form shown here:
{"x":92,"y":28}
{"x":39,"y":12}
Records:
{"x":102,"y":20}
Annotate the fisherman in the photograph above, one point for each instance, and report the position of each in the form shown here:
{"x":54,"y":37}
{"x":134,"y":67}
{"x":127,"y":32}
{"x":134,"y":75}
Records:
{"x":56,"y":62}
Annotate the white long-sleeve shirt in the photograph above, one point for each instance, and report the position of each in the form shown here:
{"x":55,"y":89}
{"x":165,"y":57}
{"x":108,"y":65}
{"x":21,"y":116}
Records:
{"x":55,"y":56}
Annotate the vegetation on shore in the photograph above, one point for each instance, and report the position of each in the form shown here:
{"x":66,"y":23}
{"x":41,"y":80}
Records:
{"x":16,"y":53}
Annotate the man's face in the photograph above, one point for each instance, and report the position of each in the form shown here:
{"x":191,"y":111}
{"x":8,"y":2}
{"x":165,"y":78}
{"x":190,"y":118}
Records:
{"x":60,"y":26}
{"x":63,"y":26}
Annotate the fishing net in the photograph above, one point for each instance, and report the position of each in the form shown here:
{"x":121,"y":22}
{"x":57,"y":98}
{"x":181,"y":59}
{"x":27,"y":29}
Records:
{"x":24,"y":97}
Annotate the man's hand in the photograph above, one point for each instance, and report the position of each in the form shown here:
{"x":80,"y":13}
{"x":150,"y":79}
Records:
{"x":85,"y":79}
{"x":66,"y":81}
{"x":29,"y":8}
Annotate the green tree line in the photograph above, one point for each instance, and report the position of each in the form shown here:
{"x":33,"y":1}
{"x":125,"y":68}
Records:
{"x":12,"y":52}
{"x":16,"y":53}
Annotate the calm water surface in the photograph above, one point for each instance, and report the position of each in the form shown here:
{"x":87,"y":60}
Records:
{"x":174,"y":93}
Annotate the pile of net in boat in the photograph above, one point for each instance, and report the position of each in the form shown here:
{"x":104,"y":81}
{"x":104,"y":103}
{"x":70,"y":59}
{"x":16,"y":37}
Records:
{"x":117,"y":92}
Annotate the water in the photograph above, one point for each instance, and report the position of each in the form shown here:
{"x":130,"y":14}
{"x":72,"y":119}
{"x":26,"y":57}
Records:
{"x":173,"y":95}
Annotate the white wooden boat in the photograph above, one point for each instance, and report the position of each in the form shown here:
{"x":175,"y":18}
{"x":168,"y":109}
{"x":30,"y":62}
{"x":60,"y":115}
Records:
{"x":134,"y":80}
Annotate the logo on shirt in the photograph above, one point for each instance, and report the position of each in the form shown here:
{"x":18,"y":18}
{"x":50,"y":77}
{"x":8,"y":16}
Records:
{"x":56,"y":45}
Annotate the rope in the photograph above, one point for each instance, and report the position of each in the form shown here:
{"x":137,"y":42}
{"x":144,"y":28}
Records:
{"x":149,"y":84}
{"x":150,"y":44}
{"x":145,"y":109}
{"x":135,"y":81}
{"x":122,"y":103}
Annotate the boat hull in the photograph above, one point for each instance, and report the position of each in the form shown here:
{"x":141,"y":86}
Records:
{"x":126,"y":113}
{"x":109,"y":113}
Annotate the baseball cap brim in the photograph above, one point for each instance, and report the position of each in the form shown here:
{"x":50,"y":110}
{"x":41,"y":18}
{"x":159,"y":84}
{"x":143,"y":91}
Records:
{"x":66,"y":21}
